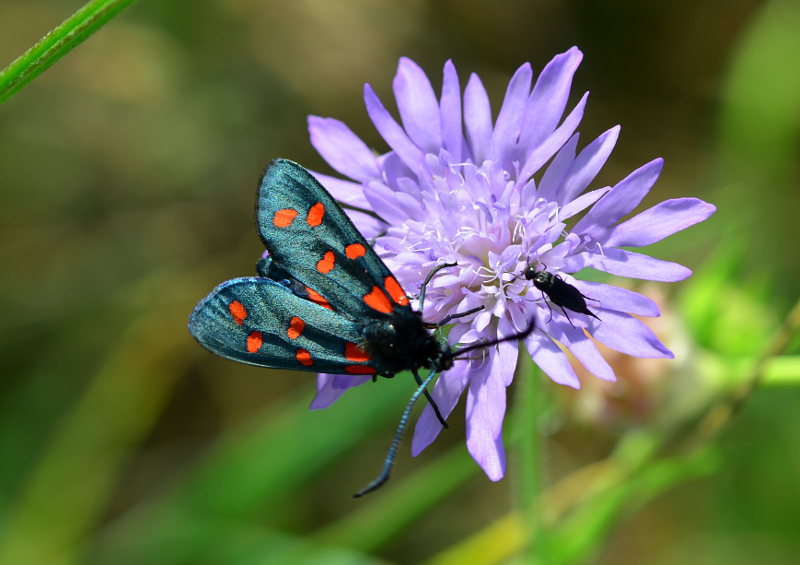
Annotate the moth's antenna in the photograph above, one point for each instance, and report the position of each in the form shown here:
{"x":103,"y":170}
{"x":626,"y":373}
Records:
{"x":444,"y":321}
{"x":428,"y":279}
{"x":524,"y":333}
{"x":389,"y":461}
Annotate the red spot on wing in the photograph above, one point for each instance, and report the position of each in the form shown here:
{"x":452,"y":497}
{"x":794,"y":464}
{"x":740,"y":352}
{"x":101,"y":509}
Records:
{"x":355,"y":354}
{"x":254,"y":342}
{"x":317,"y":298}
{"x":359,"y":370}
{"x":378,"y":300}
{"x":396,"y":291}
{"x":325,"y":265}
{"x":304,"y":357}
{"x":296,"y":326}
{"x":354,"y":251}
{"x":315,"y":214}
{"x":237,"y":311}
{"x":283,"y":218}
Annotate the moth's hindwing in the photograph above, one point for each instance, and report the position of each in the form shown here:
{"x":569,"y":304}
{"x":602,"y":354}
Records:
{"x":261,"y":322}
{"x":309,"y":235}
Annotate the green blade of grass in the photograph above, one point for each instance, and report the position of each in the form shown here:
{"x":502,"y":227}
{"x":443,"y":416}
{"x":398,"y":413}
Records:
{"x":67,"y":493}
{"x":57,"y":43}
{"x":580,"y":535}
{"x":262,"y":466}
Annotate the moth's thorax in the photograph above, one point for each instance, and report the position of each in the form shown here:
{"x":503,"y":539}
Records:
{"x":403,"y":343}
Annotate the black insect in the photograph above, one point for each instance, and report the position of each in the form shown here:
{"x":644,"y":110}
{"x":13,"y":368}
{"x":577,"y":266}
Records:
{"x":560,"y":293}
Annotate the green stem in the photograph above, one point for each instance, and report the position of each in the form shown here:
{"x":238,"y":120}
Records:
{"x":60,"y":41}
{"x":720,"y":413}
{"x":528,"y":407}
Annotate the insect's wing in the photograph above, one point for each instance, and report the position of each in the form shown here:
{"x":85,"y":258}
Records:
{"x":309,"y":236}
{"x":258,"y":321}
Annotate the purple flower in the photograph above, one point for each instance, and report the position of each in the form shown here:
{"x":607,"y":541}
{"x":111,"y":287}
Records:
{"x":457,"y":188}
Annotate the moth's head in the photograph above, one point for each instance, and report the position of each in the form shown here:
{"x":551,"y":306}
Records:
{"x":443,"y":360}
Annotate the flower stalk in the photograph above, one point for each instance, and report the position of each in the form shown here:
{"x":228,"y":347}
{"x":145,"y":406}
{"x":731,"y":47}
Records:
{"x":57,"y":43}
{"x":529,"y":448}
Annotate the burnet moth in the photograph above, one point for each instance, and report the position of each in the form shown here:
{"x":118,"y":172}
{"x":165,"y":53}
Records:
{"x":560,"y":292}
{"x":323,"y":301}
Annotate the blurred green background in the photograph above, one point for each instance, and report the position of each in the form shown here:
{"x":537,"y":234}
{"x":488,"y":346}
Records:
{"x":128,"y":172}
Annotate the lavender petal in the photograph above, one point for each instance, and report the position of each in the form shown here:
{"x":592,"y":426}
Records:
{"x":545,"y":150}
{"x":383,"y":201}
{"x":477,"y":119}
{"x":612,"y":297}
{"x":446,"y":392}
{"x":660,"y":221}
{"x":624,"y":333}
{"x":369,"y":226}
{"x":629,"y":264}
{"x":581,"y":202}
{"x":557,"y":171}
{"x":342,"y":149}
{"x":331,"y":387}
{"x":506,"y":129}
{"x":587,"y":165}
{"x":450,"y":110}
{"x":585,"y":351}
{"x":507,"y":351}
{"x":419,"y":109}
{"x":549,"y":98}
{"x":391,"y":131}
{"x":620,"y":200}
{"x":550,"y":359}
{"x":486,"y":408}
{"x":348,"y":192}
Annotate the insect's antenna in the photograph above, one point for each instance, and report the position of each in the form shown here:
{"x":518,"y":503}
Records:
{"x":428,"y":279}
{"x":389,"y":461}
{"x":524,"y":333}
{"x":446,"y":319}
{"x":431,"y":401}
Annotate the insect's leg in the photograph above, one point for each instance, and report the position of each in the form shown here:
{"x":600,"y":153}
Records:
{"x":374,"y":239}
{"x":431,"y":401}
{"x":447,"y":319}
{"x":589,"y":312}
{"x":263,"y":265}
{"x":389,"y":461}
{"x":565,"y":313}
{"x":578,"y":291}
{"x":428,"y":279}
